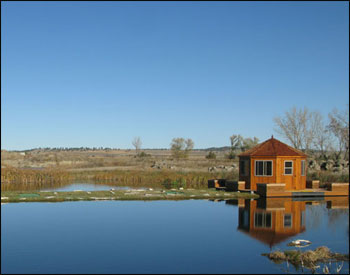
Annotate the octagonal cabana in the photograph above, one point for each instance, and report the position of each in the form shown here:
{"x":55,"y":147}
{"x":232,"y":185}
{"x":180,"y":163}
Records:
{"x":273,"y":161}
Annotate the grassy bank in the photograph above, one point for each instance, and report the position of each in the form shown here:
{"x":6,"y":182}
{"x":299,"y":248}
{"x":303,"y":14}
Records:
{"x":134,"y":194}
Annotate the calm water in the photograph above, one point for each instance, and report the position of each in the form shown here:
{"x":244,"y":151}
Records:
{"x":62,"y":186}
{"x":194,"y":236}
{"x":85,"y":187}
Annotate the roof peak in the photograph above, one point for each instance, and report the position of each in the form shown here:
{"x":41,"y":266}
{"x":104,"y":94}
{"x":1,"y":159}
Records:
{"x":273,"y":147}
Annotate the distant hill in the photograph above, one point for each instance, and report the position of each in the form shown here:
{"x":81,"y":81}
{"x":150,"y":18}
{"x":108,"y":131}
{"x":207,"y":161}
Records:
{"x":224,"y":148}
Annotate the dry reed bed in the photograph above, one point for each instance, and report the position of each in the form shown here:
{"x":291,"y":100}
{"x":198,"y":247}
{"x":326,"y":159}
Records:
{"x":308,"y":259}
{"x":30,"y":179}
{"x":14,"y":175}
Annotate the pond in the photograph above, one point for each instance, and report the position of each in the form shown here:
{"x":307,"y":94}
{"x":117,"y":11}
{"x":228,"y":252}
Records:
{"x":63,"y":186}
{"x":85,"y":187}
{"x":193,"y":236}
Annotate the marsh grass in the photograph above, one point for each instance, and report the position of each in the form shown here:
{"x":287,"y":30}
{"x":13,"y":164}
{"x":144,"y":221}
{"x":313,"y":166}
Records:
{"x":162,"y":178}
{"x":38,"y":176}
{"x":308,"y":259}
{"x":34,"y":179}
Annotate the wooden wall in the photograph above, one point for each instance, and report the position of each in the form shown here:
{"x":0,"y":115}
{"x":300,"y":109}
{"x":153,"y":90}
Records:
{"x":293,"y":182}
{"x":262,"y":179}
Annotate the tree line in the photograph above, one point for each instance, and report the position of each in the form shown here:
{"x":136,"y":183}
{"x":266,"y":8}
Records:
{"x":305,"y":130}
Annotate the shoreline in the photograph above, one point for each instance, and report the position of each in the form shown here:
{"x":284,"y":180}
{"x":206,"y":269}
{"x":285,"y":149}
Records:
{"x":122,"y":195}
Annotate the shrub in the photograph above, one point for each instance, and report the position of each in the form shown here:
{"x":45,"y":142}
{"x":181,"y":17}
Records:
{"x":327,"y":177}
{"x":231,"y":155}
{"x":211,"y":155}
{"x":169,"y":184}
{"x":143,"y":155}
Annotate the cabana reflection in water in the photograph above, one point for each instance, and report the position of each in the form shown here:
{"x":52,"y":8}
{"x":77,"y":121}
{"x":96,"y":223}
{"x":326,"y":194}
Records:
{"x":275,"y":220}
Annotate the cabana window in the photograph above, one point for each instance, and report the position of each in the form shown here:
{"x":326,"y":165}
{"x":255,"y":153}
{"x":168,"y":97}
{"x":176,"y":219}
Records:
{"x":262,"y":219}
{"x":288,"y":167}
{"x":287,"y":220}
{"x":303,"y":167}
{"x":263,"y":168}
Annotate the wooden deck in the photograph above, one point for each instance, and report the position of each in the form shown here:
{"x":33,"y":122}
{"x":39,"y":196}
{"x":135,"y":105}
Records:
{"x":300,"y":193}
{"x":278,"y":189}
{"x":307,"y":193}
{"x":333,"y":189}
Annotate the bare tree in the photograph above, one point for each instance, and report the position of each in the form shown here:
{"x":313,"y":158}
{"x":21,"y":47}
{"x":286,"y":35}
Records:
{"x":181,"y":147}
{"x":339,"y":126}
{"x":239,"y":144}
{"x":322,"y":137}
{"x":137,"y":144}
{"x":236,"y":142}
{"x":298,"y":127}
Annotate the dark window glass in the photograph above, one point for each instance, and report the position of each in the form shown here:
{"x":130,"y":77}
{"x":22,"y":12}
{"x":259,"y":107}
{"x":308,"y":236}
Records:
{"x":242,"y":167}
{"x":302,"y":218}
{"x":259,"y":168}
{"x":268,"y":168}
{"x":303,"y":167}
{"x":262,"y":219}
{"x":288,"y":167}
{"x":263,"y":168}
{"x":268,"y":219}
{"x":288,"y":171}
{"x":258,"y":220}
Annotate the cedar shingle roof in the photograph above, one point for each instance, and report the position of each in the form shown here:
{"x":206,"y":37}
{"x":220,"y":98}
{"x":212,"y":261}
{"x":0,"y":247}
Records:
{"x":272,"y":147}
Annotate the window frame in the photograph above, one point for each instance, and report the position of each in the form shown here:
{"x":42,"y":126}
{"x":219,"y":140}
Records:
{"x":291,"y":220}
{"x":255,"y":166}
{"x":263,"y":216}
{"x":284,"y":168}
{"x":303,"y":171}
{"x":302,"y":218}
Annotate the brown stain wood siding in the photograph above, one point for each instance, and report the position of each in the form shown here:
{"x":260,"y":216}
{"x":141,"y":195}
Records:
{"x":261,"y":179}
{"x":293,"y":182}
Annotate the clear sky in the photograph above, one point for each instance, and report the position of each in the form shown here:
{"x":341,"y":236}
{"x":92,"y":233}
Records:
{"x":100,"y":73}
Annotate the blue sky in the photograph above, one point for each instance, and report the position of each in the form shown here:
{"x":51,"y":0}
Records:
{"x":100,"y":73}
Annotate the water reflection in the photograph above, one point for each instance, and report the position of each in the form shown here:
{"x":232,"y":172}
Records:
{"x":275,"y":220}
{"x":85,"y":187}
{"x":31,"y":186}
{"x":61,"y":186}
{"x":127,"y":236}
